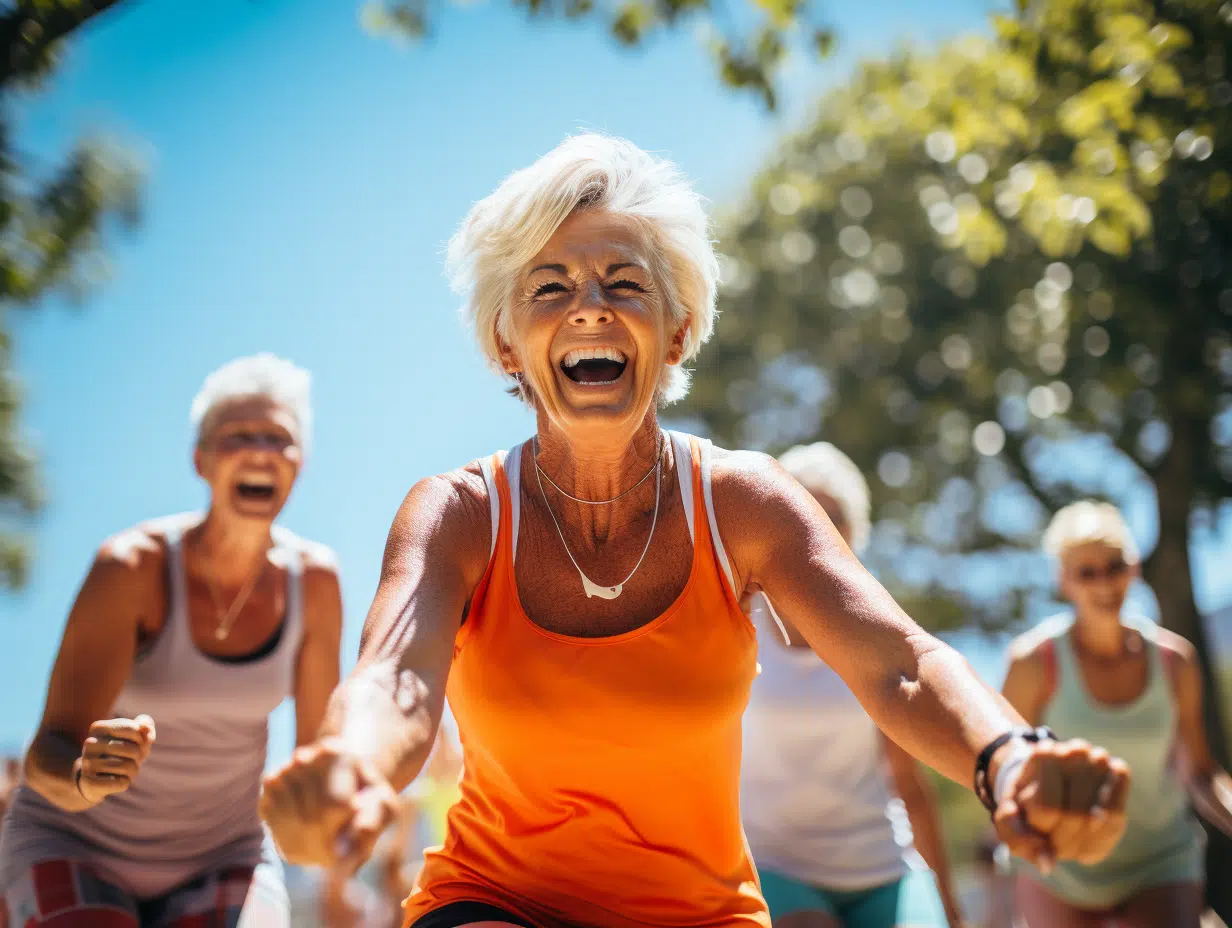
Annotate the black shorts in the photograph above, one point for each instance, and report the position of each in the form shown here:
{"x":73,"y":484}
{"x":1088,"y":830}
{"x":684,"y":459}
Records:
{"x":463,"y":913}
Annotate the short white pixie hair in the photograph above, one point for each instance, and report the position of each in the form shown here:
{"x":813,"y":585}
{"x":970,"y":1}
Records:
{"x":1086,"y":522}
{"x":822,"y":467}
{"x":509,"y":227}
{"x":263,"y":375}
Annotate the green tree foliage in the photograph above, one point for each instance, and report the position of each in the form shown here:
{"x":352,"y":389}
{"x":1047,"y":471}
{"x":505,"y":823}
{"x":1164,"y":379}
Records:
{"x":750,"y":41}
{"x":52,"y":218}
{"x":997,"y":274}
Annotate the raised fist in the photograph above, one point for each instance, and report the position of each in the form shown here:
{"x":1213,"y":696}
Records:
{"x":111,"y":756}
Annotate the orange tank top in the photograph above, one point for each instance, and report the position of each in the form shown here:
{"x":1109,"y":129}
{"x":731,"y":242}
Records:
{"x":601,"y":775}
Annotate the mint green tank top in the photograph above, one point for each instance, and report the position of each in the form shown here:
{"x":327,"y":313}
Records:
{"x":1163,"y":842}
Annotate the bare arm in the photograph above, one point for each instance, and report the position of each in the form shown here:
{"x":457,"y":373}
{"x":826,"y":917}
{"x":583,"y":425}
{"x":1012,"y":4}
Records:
{"x":316,"y":671}
{"x":1056,"y":800}
{"x":331,"y":802}
{"x":920,"y":799}
{"x":124,"y":585}
{"x":919,"y":691}
{"x":1209,"y":785}
{"x":387,"y":709}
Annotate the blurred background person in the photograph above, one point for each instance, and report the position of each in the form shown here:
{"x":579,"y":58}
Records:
{"x":139,"y":802}
{"x":1134,"y":688}
{"x":818,"y":778}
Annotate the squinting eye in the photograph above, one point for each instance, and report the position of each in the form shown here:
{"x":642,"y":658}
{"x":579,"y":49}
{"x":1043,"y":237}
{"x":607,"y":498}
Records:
{"x":627,"y":285}
{"x":553,"y":287}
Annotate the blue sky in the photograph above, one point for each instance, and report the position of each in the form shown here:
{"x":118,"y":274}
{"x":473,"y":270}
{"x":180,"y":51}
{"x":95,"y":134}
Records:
{"x":303,"y":179}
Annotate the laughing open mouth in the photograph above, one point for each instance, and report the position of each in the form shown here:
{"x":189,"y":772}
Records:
{"x":595,"y":366}
{"x":255,"y":489}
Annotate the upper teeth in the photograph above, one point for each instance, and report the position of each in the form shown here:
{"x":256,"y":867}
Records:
{"x":258,"y":482}
{"x":589,"y":354}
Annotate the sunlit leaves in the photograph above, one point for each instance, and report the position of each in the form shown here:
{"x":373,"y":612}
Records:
{"x":987,"y":251}
{"x":749,"y":45}
{"x":52,"y":225}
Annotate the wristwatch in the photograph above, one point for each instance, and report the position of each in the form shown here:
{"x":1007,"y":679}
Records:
{"x":983,"y":791}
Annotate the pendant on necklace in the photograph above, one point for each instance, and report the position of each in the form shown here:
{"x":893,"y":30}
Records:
{"x":603,"y":592}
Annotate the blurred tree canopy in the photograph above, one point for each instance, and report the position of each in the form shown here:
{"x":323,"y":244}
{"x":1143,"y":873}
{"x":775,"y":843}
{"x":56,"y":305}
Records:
{"x":750,"y":41}
{"x":999,"y":275}
{"x":52,"y":218}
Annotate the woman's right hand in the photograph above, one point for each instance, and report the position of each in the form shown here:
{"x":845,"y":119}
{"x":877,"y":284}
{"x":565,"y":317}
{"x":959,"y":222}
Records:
{"x":327,"y":806}
{"x":112,"y":755}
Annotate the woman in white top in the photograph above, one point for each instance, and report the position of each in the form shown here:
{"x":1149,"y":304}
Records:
{"x":817,"y":803}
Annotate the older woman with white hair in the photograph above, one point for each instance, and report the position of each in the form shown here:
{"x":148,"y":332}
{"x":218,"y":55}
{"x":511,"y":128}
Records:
{"x":139,"y":806}
{"x":819,"y":780}
{"x":578,"y":598}
{"x":1123,"y":681}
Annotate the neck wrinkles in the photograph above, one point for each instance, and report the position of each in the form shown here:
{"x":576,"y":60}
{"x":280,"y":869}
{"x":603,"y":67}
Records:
{"x":598,"y":473}
{"x":229,"y":553}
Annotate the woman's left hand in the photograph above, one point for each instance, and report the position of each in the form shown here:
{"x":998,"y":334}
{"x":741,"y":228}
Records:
{"x":1067,"y":802}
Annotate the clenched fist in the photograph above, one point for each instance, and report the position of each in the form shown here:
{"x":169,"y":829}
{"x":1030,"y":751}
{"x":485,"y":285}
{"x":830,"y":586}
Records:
{"x":327,"y":807}
{"x":111,"y":756}
{"x":1067,"y":802}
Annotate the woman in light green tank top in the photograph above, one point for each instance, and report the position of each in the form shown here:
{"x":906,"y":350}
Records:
{"x":1124,"y":683}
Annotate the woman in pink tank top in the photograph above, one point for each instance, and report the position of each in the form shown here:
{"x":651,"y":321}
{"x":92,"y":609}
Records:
{"x":139,"y":806}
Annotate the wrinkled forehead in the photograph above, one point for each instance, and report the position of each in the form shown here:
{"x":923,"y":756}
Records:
{"x":249,"y":412}
{"x":1091,"y":554}
{"x":591,"y":239}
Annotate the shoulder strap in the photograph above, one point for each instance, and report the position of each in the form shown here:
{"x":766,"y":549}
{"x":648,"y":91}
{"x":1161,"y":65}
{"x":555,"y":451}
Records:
{"x":293,"y":558}
{"x":683,"y":454}
{"x":1048,"y":656}
{"x":706,"y":455}
{"x":513,"y":477}
{"x":488,"y":466}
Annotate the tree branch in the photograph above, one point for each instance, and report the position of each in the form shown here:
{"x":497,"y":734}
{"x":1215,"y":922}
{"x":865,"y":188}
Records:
{"x":30,"y":30}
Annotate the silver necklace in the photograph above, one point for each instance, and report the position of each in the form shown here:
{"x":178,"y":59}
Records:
{"x":589,"y":586}
{"x":596,"y":502}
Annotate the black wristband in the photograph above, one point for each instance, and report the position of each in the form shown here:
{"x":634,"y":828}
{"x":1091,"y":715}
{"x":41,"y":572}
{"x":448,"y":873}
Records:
{"x":983,"y":792}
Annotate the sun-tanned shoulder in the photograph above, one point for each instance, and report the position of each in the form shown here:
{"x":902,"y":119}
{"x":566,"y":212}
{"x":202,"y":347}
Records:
{"x":135,"y":550}
{"x":744,"y":476}
{"x":1030,"y":651}
{"x":448,"y":513}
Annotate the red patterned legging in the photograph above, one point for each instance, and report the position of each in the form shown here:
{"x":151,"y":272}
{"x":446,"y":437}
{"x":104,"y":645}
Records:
{"x":69,"y":894}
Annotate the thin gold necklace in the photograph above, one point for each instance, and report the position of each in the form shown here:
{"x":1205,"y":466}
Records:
{"x":227,"y":620}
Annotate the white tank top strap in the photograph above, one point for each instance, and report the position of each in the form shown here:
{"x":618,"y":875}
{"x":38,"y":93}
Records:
{"x":175,"y":636}
{"x":489,"y":479}
{"x":288,"y":553}
{"x":683,"y":452}
{"x":719,"y":550}
{"x":513,"y":476}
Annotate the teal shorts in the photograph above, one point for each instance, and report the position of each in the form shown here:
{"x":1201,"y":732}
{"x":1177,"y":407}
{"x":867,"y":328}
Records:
{"x":909,"y":902}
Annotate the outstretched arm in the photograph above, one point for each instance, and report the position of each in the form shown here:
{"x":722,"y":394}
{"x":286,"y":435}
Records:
{"x":918,"y":690}
{"x":388,"y":708}
{"x":331,"y":802}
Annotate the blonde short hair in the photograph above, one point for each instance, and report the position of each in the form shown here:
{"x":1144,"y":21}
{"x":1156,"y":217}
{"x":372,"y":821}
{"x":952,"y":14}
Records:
{"x":262,"y":375}
{"x":1087,"y":522}
{"x":510,"y":226}
{"x":823,"y":468}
